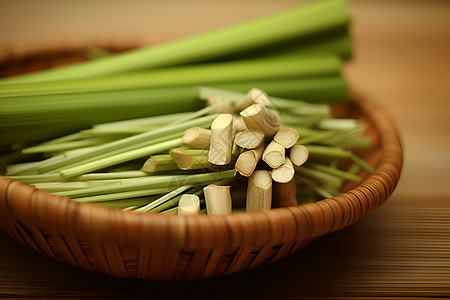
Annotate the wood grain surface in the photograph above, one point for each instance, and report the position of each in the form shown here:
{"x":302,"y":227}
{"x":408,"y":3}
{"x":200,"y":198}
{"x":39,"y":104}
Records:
{"x":402,"y":61}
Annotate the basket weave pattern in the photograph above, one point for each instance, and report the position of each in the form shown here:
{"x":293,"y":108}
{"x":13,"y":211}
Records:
{"x":156,"y":246}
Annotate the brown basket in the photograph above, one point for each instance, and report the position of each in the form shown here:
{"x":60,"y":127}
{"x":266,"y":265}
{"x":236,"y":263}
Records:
{"x":126,"y":244}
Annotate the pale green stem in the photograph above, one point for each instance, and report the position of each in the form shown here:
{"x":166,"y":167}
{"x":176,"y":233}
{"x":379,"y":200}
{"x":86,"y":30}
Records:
{"x":120,"y":158}
{"x":130,"y":142}
{"x":123,"y":195}
{"x":334,"y":171}
{"x":64,"y":146}
{"x":155,"y":182}
{"x":162,"y":199}
{"x":319,"y":176}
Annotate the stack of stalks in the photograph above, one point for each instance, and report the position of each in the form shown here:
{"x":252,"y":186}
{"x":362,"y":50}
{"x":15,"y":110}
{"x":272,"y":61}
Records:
{"x":186,"y":163}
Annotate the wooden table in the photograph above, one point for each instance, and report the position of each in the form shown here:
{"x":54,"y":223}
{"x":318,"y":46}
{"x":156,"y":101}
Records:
{"x":401,"y":251}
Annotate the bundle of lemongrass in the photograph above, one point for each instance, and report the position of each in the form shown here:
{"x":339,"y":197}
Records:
{"x":293,"y":54}
{"x":116,"y":110}
{"x":194,"y":156}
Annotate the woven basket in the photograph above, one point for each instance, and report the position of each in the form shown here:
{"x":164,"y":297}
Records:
{"x":129,"y":245}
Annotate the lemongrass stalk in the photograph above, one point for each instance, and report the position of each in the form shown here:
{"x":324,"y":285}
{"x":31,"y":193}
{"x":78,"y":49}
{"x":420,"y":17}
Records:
{"x":115,"y":132}
{"x":123,"y":195}
{"x":144,"y":122}
{"x":129,"y":202}
{"x":323,"y":136}
{"x":74,"y":185}
{"x":238,"y":124}
{"x":283,"y":173}
{"x":254,"y":96}
{"x":64,"y":146}
{"x":111,"y":175}
{"x":186,"y":161}
{"x":341,"y":124}
{"x":189,"y":204}
{"x":287,"y":137}
{"x":155,"y":182}
{"x":298,"y":154}
{"x":221,"y":140}
{"x":330,"y":152}
{"x":37,"y":178}
{"x":63,"y":139}
{"x":262,"y":118}
{"x":227,"y":108}
{"x":361,"y":163}
{"x":301,"y":123}
{"x":64,"y":165}
{"x":320,"y":176}
{"x":174,"y":201}
{"x":334,"y":171}
{"x":304,"y":21}
{"x":20,"y":167}
{"x":259,"y":191}
{"x":171,"y":211}
{"x":162,"y":162}
{"x":274,"y":154}
{"x":228,"y":71}
{"x":339,"y":43}
{"x":316,"y":188}
{"x":206,"y":110}
{"x":218,"y":199}
{"x":162,"y":199}
{"x":354,"y":168}
{"x":130,"y":143}
{"x":197,"y":137}
{"x":120,"y":158}
{"x":248,"y":160}
{"x":348,"y":140}
{"x":249,"y":139}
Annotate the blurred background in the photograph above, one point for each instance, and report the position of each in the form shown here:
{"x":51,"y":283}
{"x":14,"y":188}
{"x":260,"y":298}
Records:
{"x":402,"y":61}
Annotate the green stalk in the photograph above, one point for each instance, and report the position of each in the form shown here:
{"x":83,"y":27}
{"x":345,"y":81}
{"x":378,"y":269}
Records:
{"x":313,"y":186}
{"x":123,"y":195}
{"x":325,"y":135}
{"x":35,"y":118}
{"x":334,"y":171}
{"x":120,"y":158}
{"x":130,"y":143}
{"x":154,"y":182}
{"x":328,"y":152}
{"x":64,"y":146}
{"x":230,"y":71}
{"x":112,"y":175}
{"x":37,"y":178}
{"x":143,"y":122}
{"x":320,"y":176}
{"x":126,"y":203}
{"x":338,"y":42}
{"x":157,"y":163}
{"x":162,"y":199}
{"x":314,"y":19}
{"x":362,"y":163}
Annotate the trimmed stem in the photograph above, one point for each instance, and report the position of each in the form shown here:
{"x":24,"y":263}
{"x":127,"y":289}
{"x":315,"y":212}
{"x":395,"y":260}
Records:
{"x":274,"y":155}
{"x":189,"y":204}
{"x":197,"y":137}
{"x":218,"y":199}
{"x":221,"y":140}
{"x":262,"y":118}
{"x":248,"y":160}
{"x":259,"y":191}
{"x":249,"y":139}
{"x":287,"y":137}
